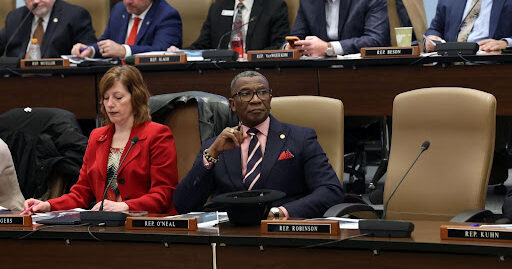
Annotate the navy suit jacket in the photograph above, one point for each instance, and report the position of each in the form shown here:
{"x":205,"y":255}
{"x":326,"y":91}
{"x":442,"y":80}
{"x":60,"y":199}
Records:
{"x":446,"y":23}
{"x":160,"y":29}
{"x":310,"y":183}
{"x":362,"y":23}
{"x":68,"y":25}
{"x":267,"y":31}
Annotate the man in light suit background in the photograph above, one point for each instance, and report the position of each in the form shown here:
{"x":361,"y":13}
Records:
{"x":10,"y":193}
{"x":56,"y":24}
{"x":266,"y":31}
{"x":136,"y":26}
{"x":336,"y":27}
{"x":262,"y":153}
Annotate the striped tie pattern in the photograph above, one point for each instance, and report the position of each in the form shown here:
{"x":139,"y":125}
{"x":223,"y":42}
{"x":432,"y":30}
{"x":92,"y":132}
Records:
{"x":254,"y":158}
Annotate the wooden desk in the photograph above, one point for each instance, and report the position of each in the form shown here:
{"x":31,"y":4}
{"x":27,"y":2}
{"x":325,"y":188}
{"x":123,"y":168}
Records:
{"x":236,"y":247}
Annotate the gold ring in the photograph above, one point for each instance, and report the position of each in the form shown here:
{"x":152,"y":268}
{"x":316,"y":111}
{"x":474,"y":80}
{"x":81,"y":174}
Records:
{"x":231,"y":130}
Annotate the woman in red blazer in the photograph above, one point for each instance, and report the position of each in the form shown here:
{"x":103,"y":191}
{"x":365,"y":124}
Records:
{"x":134,"y":154}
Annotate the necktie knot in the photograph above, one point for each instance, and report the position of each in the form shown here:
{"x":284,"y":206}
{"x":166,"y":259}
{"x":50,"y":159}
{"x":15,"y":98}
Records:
{"x":253,"y":131}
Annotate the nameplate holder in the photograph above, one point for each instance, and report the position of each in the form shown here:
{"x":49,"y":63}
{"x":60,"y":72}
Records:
{"x":161,"y":59}
{"x":390,"y":52}
{"x":300,"y":227}
{"x":154,"y":223}
{"x":458,"y":232}
{"x":8,"y":220}
{"x":44,"y":63}
{"x":272,"y":55}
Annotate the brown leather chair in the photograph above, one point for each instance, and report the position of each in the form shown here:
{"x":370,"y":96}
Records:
{"x":5,"y":7}
{"x":323,"y":114}
{"x":193,"y":13}
{"x":293,"y":7}
{"x":452,"y":175}
{"x":99,"y":11}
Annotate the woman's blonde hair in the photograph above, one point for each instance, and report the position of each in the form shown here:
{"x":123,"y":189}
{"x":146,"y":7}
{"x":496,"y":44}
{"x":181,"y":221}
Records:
{"x":131,"y":78}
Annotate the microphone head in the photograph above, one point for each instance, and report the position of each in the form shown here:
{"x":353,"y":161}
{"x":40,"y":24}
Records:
{"x":425,"y":145}
{"x":135,"y":139}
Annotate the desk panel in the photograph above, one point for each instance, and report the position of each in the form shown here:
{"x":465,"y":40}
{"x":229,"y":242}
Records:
{"x":75,"y":93}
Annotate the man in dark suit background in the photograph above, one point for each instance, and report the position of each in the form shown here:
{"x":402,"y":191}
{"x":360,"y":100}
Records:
{"x":262,"y":153}
{"x":266,"y":31}
{"x":491,"y":28}
{"x":62,"y":25}
{"x":336,"y":27}
{"x":136,"y":26}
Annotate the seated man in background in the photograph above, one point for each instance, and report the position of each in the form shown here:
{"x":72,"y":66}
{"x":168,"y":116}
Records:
{"x":339,"y":27}
{"x":136,"y":26}
{"x":262,"y":153}
{"x":55,"y":24}
{"x":486,"y":22}
{"x":264,"y":24}
{"x":10,"y":193}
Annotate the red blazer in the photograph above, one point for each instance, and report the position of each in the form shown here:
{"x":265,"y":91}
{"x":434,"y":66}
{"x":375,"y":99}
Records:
{"x":146,"y":179}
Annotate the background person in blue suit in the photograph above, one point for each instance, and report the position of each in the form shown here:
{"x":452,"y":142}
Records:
{"x":492,"y":28}
{"x":291,"y":160}
{"x":336,"y":27}
{"x":157,"y":26}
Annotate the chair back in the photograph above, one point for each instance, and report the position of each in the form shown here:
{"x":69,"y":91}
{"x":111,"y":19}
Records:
{"x":323,"y":114}
{"x":193,"y":14}
{"x":5,"y":7}
{"x":452,"y":175}
{"x":99,"y":11}
{"x":293,"y":7}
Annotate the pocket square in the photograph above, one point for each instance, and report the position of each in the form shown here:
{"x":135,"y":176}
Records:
{"x":285,"y":155}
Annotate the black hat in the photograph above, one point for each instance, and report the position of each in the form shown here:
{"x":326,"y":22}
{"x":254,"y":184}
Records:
{"x":248,"y":207}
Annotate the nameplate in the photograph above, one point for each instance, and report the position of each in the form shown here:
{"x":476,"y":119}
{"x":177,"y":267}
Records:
{"x":475,"y":233}
{"x":300,"y":227}
{"x":174,"y":224}
{"x":45,"y":63}
{"x":390,"y":52}
{"x":272,"y":55}
{"x":15,"y":220}
{"x":161,"y":59}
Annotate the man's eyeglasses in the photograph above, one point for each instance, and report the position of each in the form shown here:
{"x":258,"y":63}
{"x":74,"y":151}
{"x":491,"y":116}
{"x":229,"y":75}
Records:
{"x":247,"y":95}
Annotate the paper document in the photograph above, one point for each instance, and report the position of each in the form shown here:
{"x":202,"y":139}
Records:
{"x":345,"y":223}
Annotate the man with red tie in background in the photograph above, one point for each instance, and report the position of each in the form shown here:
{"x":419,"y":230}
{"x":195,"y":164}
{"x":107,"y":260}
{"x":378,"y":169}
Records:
{"x":136,"y":26}
{"x":55,"y":24}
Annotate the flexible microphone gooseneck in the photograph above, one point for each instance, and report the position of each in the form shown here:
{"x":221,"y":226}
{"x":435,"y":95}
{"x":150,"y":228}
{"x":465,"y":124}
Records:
{"x":107,"y":218}
{"x":234,"y":29}
{"x":34,"y":6}
{"x":391,"y":228}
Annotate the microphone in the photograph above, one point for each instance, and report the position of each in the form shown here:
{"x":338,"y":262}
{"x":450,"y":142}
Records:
{"x":391,"y":228}
{"x":234,"y":29}
{"x":34,"y":6}
{"x":109,"y":218}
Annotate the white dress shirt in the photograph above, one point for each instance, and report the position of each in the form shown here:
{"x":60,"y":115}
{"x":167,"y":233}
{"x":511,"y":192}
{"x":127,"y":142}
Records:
{"x":332,"y":17}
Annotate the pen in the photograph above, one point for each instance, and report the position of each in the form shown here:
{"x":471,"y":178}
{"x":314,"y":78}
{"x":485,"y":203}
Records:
{"x":474,"y":225}
{"x":84,"y":49}
{"x":239,"y":126}
{"x":28,"y":209}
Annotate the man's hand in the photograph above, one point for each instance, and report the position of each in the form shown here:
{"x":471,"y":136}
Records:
{"x":428,"y":44}
{"x":227,"y":139}
{"x":311,"y":46}
{"x":172,"y":48}
{"x":110,"y":49}
{"x":80,"y":50}
{"x":492,"y":45}
{"x":112,"y":206}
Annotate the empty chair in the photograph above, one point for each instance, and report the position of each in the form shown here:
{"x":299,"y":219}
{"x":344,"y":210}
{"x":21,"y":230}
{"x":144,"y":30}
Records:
{"x":323,"y":114}
{"x":193,"y":14}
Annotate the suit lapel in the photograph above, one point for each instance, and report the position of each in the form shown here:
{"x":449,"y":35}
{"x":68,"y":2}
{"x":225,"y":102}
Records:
{"x":233,"y":162}
{"x":125,"y":19}
{"x":344,"y":8}
{"x":257,"y":8}
{"x":147,"y":22}
{"x":24,"y":33}
{"x":104,"y":141}
{"x":497,"y":6}
{"x":134,"y":151}
{"x":321,"y":26}
{"x":225,"y":22}
{"x":53,"y":22}
{"x":276,"y":139}
{"x":457,"y":13}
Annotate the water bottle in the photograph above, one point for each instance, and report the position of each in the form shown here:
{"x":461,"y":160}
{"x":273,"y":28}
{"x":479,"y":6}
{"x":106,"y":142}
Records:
{"x":34,"y":51}
{"x":237,"y":44}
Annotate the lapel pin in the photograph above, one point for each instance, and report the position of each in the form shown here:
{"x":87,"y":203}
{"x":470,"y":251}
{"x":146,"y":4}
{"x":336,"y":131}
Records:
{"x":55,"y":20}
{"x":282,"y":136}
{"x":147,"y":23}
{"x":123,"y":16}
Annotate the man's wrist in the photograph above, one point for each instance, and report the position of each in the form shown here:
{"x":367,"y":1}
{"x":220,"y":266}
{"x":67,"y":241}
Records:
{"x":210,"y":156}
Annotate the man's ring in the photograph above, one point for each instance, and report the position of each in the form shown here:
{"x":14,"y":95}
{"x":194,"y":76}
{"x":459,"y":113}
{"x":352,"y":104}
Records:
{"x":231,"y":130}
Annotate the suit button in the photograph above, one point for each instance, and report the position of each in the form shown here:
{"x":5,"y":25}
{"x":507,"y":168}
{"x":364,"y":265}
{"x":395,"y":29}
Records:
{"x":121,"y":181}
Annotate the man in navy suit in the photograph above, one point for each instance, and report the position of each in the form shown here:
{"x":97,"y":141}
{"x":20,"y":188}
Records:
{"x":336,"y":27}
{"x":136,"y":26}
{"x":262,"y":153}
{"x":61,"y":24}
{"x":492,"y":29}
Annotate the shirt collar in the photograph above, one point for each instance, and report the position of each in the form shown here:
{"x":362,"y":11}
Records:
{"x":143,"y":14}
{"x":45,"y":18}
{"x":262,"y":127}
